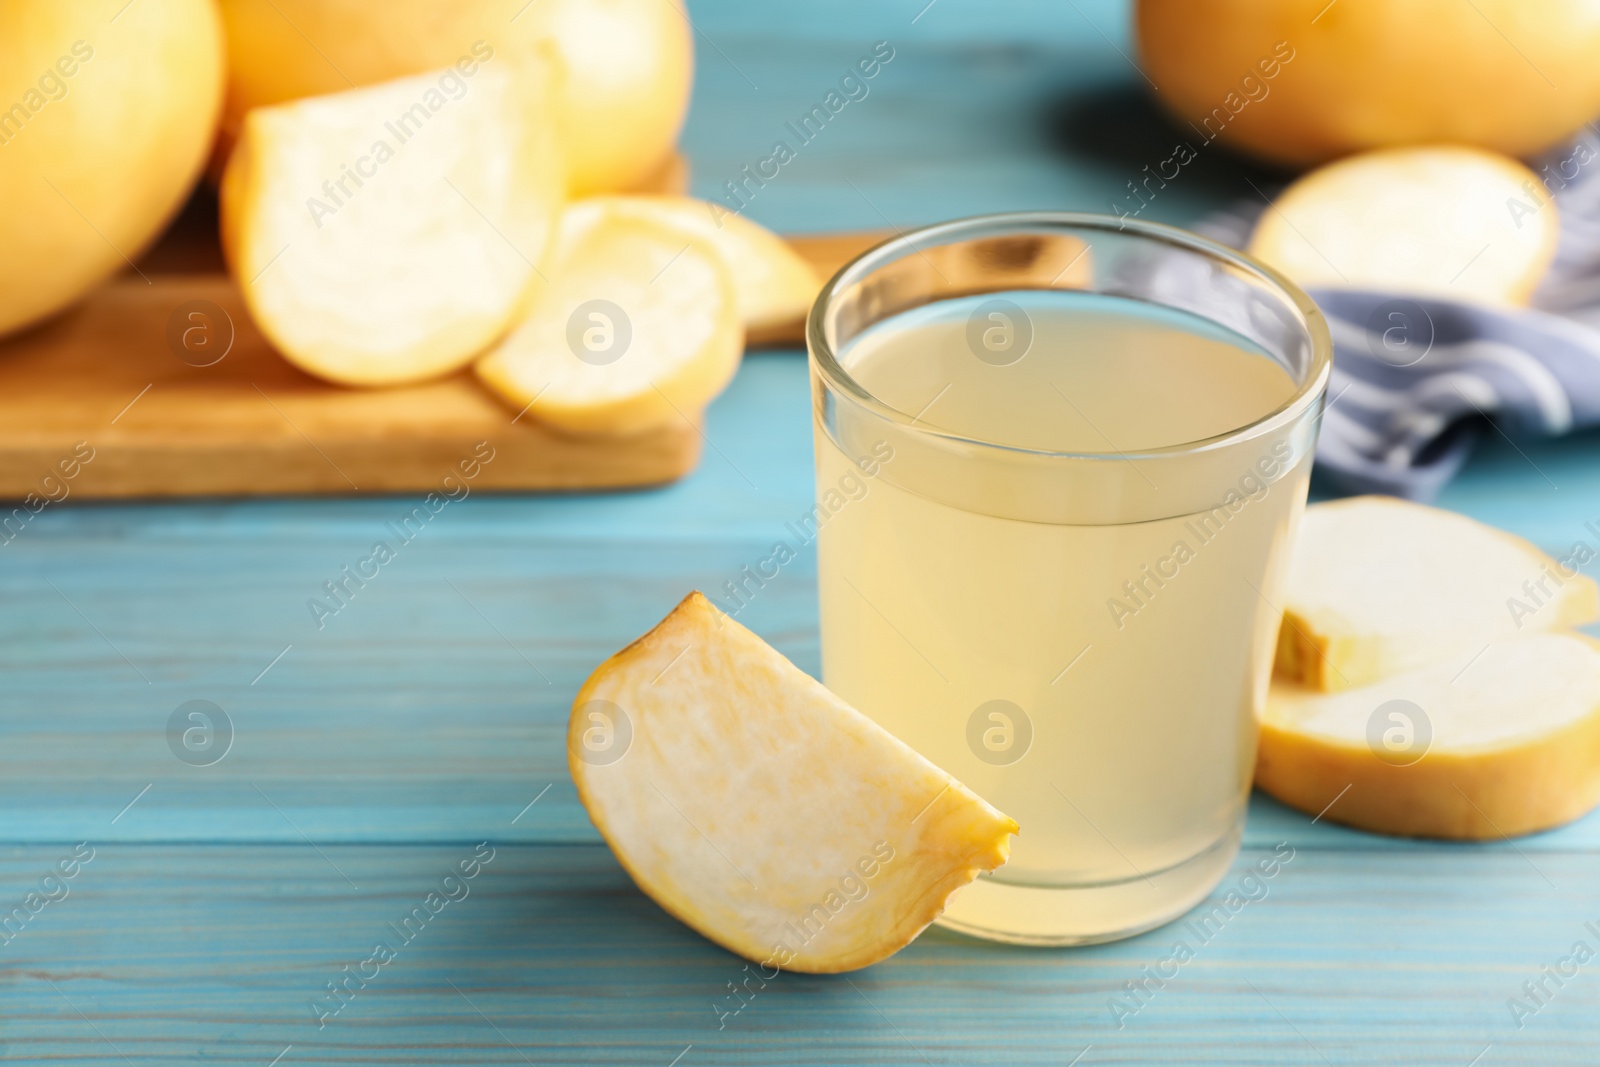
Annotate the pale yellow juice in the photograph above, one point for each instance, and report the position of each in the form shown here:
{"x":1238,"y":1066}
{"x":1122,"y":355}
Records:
{"x":1096,"y":681}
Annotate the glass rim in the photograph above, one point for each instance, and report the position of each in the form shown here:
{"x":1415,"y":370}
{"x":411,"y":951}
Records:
{"x":906,"y":242}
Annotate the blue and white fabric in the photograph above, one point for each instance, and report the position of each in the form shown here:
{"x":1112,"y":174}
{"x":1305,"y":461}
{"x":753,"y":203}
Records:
{"x":1417,"y":380}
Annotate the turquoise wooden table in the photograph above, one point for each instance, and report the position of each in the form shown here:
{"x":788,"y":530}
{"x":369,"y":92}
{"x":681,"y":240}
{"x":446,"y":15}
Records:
{"x":209,"y":908}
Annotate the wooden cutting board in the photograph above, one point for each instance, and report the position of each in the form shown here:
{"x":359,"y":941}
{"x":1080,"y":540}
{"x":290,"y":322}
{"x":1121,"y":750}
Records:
{"x":109,"y":393}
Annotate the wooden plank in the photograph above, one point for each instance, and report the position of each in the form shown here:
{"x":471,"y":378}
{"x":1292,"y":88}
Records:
{"x":104,"y":381}
{"x":119,"y":378}
{"x":216,"y":954}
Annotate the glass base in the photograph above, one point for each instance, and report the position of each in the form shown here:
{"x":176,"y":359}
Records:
{"x":1089,"y":915}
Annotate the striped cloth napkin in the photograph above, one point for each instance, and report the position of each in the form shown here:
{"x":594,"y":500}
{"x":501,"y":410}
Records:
{"x":1418,"y":380}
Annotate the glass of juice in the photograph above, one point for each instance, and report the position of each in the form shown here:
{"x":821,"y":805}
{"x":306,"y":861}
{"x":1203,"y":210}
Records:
{"x":1060,"y":463}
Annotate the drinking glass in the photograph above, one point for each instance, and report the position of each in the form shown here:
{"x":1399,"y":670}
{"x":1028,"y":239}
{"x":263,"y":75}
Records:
{"x":1022,"y":616}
